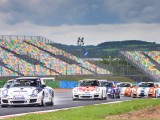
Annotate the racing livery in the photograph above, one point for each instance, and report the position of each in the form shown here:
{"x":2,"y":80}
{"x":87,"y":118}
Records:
{"x":144,"y":89}
{"x":27,"y":91}
{"x":89,"y":89}
{"x":125,"y":88}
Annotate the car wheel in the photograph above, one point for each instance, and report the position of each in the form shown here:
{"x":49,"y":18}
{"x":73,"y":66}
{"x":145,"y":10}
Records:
{"x":105,"y":98}
{"x":130,"y":94}
{"x":43,"y":103}
{"x":3,"y":106}
{"x":52,"y":100}
{"x":156,"y":95}
{"x":118,"y":95}
{"x":102,"y":96}
{"x":113,"y":96}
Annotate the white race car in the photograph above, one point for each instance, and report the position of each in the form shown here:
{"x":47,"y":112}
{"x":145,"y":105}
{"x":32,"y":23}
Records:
{"x":27,"y":91}
{"x":89,"y":89}
{"x":125,"y":88}
{"x":144,"y":89}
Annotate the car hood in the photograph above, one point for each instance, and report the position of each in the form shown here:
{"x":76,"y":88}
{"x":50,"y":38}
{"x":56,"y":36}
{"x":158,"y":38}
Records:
{"x":123,"y":88}
{"x":21,"y":90}
{"x":145,"y":89}
{"x":87,"y":88}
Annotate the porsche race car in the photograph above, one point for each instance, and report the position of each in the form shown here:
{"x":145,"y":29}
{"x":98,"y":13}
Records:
{"x":89,"y":89}
{"x":144,"y":89}
{"x":27,"y":91}
{"x":111,"y":89}
{"x":125,"y":88}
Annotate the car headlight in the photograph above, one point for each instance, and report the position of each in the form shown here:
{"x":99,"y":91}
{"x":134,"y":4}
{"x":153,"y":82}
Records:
{"x":75,"y":90}
{"x":35,"y":92}
{"x":109,"y":90}
{"x":151,"y":90}
{"x":97,"y":89}
{"x":5,"y":92}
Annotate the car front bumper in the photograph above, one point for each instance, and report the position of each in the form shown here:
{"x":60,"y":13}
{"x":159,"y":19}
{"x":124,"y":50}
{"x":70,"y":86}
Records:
{"x":26,"y":100}
{"x":88,"y":95}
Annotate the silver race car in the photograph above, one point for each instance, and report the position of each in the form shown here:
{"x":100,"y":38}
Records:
{"x":27,"y":91}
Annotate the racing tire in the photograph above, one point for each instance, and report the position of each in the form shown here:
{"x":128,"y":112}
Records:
{"x":118,"y":95}
{"x":52,"y":101}
{"x":102,"y":98}
{"x":155,"y":95}
{"x":105,"y":98}
{"x":130,"y":94}
{"x":3,"y":106}
{"x":113,"y":96}
{"x":43,"y":103}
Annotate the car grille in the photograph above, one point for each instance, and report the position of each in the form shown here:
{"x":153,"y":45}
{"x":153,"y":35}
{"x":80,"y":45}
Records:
{"x":33,"y":100}
{"x":18,"y":102}
{"x":86,"y":96}
{"x":76,"y":96}
{"x":96,"y":95}
{"x":5,"y":101}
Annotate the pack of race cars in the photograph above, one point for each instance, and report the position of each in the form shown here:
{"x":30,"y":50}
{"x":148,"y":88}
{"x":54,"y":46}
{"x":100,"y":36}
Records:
{"x":33,"y":91}
{"x":104,"y":89}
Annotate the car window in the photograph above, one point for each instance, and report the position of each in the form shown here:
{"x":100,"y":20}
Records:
{"x":89,"y":83}
{"x":103,"y":83}
{"x":109,"y":84}
{"x":26,"y":83}
{"x":125,"y":85}
{"x":146,"y":85}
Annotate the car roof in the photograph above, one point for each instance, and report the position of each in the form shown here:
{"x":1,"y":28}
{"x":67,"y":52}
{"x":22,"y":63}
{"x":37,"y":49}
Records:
{"x":27,"y":78}
{"x":102,"y":80}
{"x":88,"y":79}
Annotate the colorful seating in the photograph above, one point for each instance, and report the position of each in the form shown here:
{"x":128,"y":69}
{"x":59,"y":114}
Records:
{"x":143,"y":62}
{"x":51,"y":65}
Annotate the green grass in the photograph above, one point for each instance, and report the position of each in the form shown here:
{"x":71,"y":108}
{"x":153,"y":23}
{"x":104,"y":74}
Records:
{"x":97,"y":112}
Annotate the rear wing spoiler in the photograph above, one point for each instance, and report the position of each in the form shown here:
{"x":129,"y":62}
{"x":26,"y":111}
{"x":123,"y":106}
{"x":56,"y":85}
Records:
{"x":48,"y":78}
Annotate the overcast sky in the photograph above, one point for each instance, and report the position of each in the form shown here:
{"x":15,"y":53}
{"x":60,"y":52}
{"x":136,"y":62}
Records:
{"x":63,"y":21}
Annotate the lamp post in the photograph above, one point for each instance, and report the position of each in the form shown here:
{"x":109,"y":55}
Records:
{"x":80,"y":43}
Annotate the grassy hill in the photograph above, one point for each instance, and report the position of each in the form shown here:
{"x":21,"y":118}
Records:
{"x":108,"y":48}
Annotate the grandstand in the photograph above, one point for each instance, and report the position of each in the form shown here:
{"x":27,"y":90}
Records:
{"x":146,"y":61}
{"x":34,"y":56}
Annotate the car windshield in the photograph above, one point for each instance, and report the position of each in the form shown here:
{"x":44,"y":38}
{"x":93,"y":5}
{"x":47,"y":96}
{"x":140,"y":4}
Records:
{"x":125,"y":85}
{"x":146,"y":85}
{"x":26,"y":83}
{"x":89,"y":83}
{"x":103,"y":83}
{"x":109,"y":84}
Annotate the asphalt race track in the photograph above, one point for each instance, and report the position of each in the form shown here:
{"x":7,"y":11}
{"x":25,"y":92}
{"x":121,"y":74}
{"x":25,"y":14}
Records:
{"x":62,"y":100}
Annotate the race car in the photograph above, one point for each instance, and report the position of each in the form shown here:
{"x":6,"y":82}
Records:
{"x":125,"y":88}
{"x":27,"y":91}
{"x":89,"y":89}
{"x":144,"y":89}
{"x":111,"y":89}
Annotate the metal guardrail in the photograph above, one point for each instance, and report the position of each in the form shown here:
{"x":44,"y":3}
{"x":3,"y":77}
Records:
{"x":25,"y":37}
